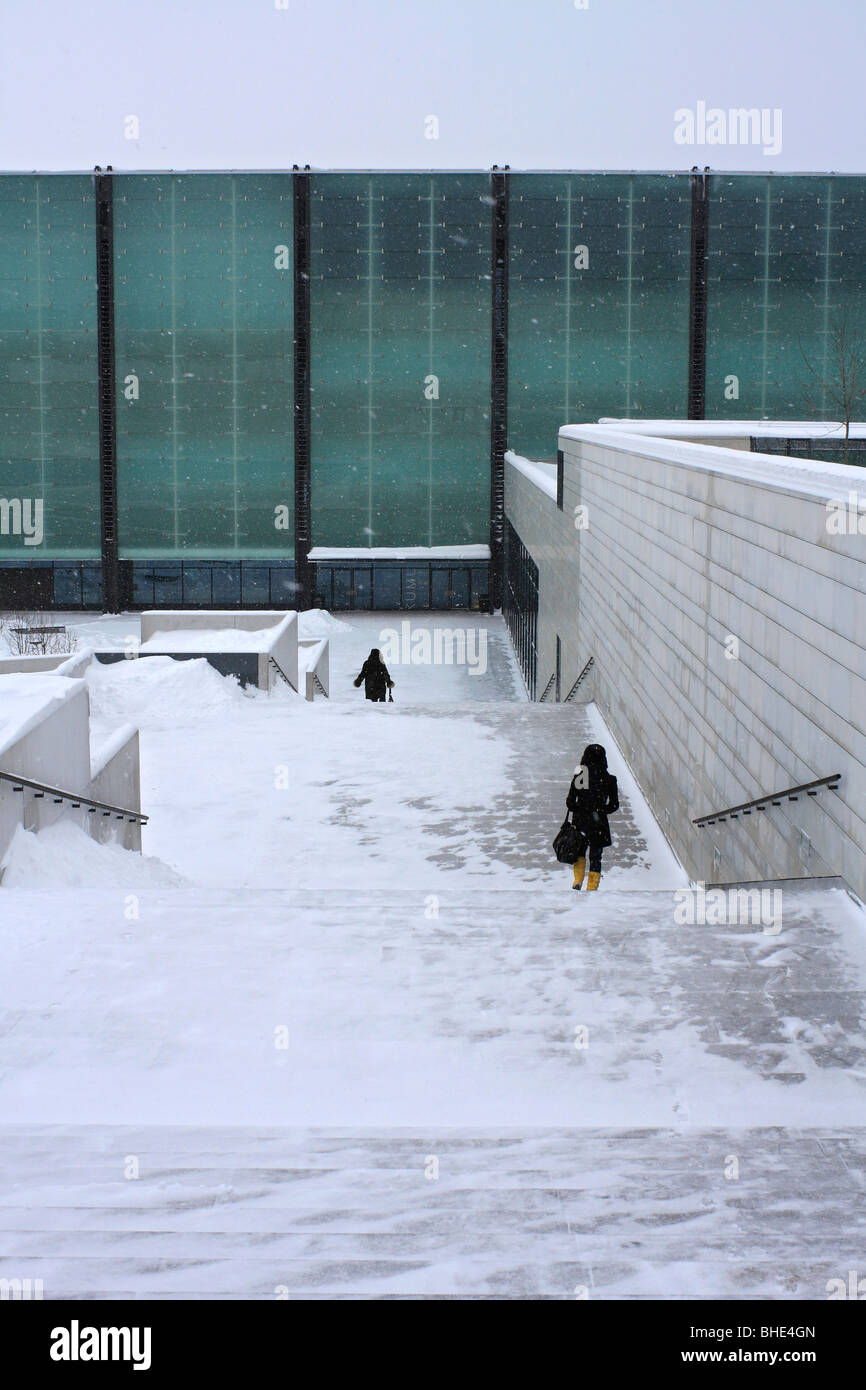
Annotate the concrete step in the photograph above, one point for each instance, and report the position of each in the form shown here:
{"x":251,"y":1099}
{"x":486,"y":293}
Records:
{"x":231,"y":1212}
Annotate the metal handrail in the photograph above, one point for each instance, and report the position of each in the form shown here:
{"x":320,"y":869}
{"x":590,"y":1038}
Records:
{"x":584,"y":672}
{"x":773,"y":799}
{"x":57,"y":795}
{"x":280,"y":672}
{"x":547,"y":689}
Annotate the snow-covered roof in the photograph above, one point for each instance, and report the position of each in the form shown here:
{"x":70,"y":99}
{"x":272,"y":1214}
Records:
{"x":324,"y":553}
{"x":806,"y":477}
{"x":203,"y":639}
{"x":734,"y":429}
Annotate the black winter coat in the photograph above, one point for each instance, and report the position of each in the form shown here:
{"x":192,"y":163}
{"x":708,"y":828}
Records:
{"x":590,"y":807}
{"x":376,"y":679}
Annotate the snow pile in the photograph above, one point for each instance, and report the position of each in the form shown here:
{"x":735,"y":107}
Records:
{"x":161,"y":693}
{"x":318,"y":622}
{"x":64,"y":856}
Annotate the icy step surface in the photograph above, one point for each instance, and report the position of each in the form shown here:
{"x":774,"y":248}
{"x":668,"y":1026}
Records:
{"x":469,"y":1008}
{"x":754,"y":1213}
{"x":704,"y":1141}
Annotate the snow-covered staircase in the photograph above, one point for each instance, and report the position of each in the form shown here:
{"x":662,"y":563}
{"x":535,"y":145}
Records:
{"x":238,"y":1213}
{"x":439,"y":1124}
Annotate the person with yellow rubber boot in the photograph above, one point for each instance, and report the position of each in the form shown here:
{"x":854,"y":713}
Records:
{"x":592,"y":797}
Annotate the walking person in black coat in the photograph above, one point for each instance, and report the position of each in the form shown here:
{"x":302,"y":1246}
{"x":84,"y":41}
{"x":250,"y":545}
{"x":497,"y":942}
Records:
{"x":592,"y":797}
{"x":374,"y":674}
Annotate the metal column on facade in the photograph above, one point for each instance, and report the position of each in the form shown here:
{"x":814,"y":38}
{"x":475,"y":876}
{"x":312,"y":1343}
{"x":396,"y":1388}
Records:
{"x":698,"y":295}
{"x":498,"y":380}
{"x":111,"y":596}
{"x":303,"y":501}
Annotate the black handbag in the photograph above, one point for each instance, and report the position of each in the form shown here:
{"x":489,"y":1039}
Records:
{"x":566,"y":842}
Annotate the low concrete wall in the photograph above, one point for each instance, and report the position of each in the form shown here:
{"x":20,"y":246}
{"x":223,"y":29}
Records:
{"x":55,"y":750}
{"x":171,"y":620}
{"x":20,"y":665}
{"x":115,"y":778}
{"x":281,"y":629}
{"x":315,"y":666}
{"x":693,"y":552}
{"x":283,"y":647}
{"x":552,"y":541}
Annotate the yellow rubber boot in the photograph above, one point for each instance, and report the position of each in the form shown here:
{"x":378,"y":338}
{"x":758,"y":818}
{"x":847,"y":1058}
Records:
{"x":592,"y":881}
{"x":578,"y":872}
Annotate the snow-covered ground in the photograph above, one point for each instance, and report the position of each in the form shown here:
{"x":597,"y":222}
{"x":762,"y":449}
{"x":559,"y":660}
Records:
{"x":347,"y":950}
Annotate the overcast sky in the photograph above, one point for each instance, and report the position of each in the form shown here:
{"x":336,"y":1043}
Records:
{"x":218,"y":84}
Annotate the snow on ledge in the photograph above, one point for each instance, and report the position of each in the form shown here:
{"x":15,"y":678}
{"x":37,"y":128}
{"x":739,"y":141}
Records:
{"x":25,"y":700}
{"x":543,"y":475}
{"x":731,"y":429}
{"x":799,"y":477}
{"x":324,"y":553}
{"x":204,"y":639}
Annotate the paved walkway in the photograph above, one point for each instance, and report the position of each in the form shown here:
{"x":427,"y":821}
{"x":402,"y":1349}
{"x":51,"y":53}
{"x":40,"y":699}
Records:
{"x":374,"y":1046}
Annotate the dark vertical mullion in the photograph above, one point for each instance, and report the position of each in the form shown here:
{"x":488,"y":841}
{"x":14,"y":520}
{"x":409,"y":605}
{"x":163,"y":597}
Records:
{"x":698,"y":296}
{"x":303,"y":500}
{"x":498,"y":380}
{"x":106,"y":390}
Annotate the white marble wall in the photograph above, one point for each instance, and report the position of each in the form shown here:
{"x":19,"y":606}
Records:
{"x":678,"y":558}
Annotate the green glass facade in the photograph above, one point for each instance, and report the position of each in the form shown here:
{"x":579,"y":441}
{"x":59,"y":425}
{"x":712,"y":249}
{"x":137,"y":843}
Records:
{"x":600,"y":298}
{"x":49,"y":418}
{"x":598,"y":301}
{"x":787,"y":265}
{"x":400,"y":379}
{"x":203,"y":315}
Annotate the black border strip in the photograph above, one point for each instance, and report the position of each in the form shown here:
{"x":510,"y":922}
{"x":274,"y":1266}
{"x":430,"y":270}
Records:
{"x":105,"y":356}
{"x":697,"y":385}
{"x":304,"y":570}
{"x":498,"y":379}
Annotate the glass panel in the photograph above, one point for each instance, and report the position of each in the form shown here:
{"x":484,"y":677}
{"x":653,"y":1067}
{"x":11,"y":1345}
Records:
{"x":167,"y":588}
{"x":283,"y":587}
{"x":142,"y":586}
{"x":361,"y":579}
{"x":67,"y":586}
{"x":416,"y":587}
{"x":386,"y":587}
{"x":91,"y":585}
{"x":400,"y":358}
{"x":342,"y":589}
{"x":459,"y":588}
{"x":226,"y":585}
{"x":256,"y":585}
{"x":598,"y":301}
{"x":480,"y":583}
{"x":49,"y":421}
{"x":325,"y":585}
{"x":440,"y":589}
{"x":786,"y":257}
{"x":197,"y":584}
{"x":203,"y":289}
